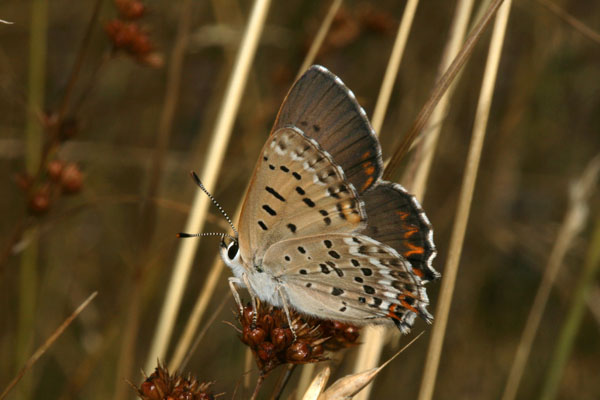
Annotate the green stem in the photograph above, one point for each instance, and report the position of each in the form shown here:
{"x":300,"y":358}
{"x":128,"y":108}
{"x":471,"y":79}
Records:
{"x":33,"y":150}
{"x":575,"y":314}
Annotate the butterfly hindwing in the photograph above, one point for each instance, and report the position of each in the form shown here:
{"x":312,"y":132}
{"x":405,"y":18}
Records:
{"x":348,"y":277}
{"x":297,"y":190}
{"x":326,"y":110}
{"x":395,"y":217}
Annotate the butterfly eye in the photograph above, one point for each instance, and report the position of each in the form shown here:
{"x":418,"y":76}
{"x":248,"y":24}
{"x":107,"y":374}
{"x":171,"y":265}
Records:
{"x":232,"y":251}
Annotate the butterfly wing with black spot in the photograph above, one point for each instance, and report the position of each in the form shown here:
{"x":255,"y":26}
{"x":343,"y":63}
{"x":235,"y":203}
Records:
{"x":326,"y":110}
{"x":296,"y":190}
{"x":395,"y":217}
{"x":348,"y":277}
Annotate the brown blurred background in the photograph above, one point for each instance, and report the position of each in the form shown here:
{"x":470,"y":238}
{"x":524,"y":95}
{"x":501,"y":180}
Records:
{"x":543,"y":130}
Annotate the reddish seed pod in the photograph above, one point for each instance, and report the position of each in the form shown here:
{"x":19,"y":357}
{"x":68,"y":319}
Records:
{"x":266,"y":351}
{"x":54,"y":169}
{"x":130,"y":9}
{"x":71,"y":179}
{"x":267,"y":322}
{"x":254,"y":336}
{"x":317,"y":350}
{"x":281,"y":338}
{"x":298,"y":351}
{"x":351,"y":333}
{"x":39,"y":202}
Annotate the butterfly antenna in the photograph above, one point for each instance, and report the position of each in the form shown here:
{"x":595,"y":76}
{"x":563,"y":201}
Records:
{"x":189,"y":235}
{"x":201,"y":186}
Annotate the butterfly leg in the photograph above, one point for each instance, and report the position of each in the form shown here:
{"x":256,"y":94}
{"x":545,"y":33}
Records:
{"x":232,"y":282}
{"x":286,"y":308}
{"x":253,"y":297}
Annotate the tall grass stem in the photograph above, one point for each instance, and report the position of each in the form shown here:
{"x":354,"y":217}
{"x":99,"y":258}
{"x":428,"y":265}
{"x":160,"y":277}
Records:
{"x":464,"y":204}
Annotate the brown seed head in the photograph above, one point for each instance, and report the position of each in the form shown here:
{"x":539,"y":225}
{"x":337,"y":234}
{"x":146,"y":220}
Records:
{"x":40,"y":200}
{"x":163,"y":386}
{"x":130,"y":9}
{"x":71,"y":179}
{"x":272,"y":341}
{"x":54,"y":169}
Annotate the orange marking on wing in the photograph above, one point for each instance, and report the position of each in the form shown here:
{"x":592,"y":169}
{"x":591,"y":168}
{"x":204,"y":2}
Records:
{"x":392,"y":309}
{"x":367,"y":183}
{"x":410,"y":231}
{"x":403,"y":215}
{"x":413,"y":250}
{"x":408,"y":306}
{"x":368,"y":167}
{"x":418,"y":272}
{"x":366,"y":155}
{"x":350,"y":213}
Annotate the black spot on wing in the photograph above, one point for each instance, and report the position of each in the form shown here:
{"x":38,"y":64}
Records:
{"x":292,"y":228}
{"x":269,"y":209}
{"x":274,"y":193}
{"x":308,"y":202}
{"x":262,"y":225}
{"x":368,"y":289}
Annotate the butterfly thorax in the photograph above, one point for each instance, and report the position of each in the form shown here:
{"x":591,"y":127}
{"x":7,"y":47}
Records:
{"x":263,"y":283}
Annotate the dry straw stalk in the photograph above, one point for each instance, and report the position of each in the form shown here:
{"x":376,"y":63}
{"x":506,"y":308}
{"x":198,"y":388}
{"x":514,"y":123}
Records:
{"x":464,"y":203}
{"x":210,"y":170}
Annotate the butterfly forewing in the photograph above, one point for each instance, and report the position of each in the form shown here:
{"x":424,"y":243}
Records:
{"x":296,"y":190}
{"x":348,"y":277}
{"x":327,"y":111}
{"x":395,"y":217}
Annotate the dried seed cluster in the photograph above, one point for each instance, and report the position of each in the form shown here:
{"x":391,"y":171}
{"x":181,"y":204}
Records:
{"x":127,"y":34}
{"x":272,"y":342}
{"x":163,"y":386}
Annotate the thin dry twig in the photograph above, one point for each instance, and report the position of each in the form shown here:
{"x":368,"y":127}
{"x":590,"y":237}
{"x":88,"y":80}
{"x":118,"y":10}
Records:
{"x":464,"y":203}
{"x":572,"y":225}
{"x":439,"y":90}
{"x":571,"y":20}
{"x":46,"y":345}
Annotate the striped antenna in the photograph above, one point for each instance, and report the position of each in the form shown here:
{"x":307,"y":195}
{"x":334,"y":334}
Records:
{"x":201,"y":186}
{"x":188,"y":235}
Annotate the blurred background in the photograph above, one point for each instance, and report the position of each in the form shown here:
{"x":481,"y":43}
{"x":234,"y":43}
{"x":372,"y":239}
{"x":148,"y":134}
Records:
{"x":98,"y":135}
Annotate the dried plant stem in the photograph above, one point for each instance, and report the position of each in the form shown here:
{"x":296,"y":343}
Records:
{"x":259,"y":382}
{"x":391,"y":71}
{"x":209,"y":174}
{"x":320,"y":37}
{"x":284,"y":378}
{"x":574,"y":316}
{"x":42,"y":349}
{"x":464,"y":204}
{"x":204,"y":297}
{"x":374,"y":338}
{"x":439,"y":90}
{"x":64,"y":105}
{"x":572,"y":21}
{"x":28,"y":277}
{"x":571,"y":226}
{"x":424,"y":152}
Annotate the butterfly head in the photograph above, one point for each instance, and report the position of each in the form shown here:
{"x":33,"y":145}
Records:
{"x":230,"y":253}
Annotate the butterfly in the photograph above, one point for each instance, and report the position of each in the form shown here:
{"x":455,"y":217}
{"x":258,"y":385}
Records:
{"x":319,"y":230}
